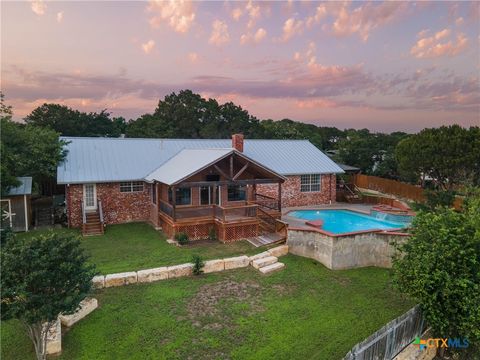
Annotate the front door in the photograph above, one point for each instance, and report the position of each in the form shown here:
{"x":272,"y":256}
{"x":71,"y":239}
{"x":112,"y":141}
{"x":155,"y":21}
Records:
{"x":206,"y":195}
{"x":90,"y":197}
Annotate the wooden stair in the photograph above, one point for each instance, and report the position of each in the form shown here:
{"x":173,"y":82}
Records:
{"x":93,"y":225}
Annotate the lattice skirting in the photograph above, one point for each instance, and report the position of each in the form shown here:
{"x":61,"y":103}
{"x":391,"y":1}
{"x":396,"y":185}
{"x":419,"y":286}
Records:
{"x":195,"y":231}
{"x":229,"y":233}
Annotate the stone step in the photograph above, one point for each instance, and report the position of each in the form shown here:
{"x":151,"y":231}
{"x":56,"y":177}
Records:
{"x":271,"y":268}
{"x":262,"y":262}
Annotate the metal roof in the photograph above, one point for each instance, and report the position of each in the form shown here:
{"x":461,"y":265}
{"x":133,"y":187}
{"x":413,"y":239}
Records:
{"x":348,"y":167}
{"x":124,"y":159}
{"x":25,"y":187}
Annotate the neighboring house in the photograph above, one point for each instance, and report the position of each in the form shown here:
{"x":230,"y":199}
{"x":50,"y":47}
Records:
{"x":16,"y":205}
{"x":234,"y":187}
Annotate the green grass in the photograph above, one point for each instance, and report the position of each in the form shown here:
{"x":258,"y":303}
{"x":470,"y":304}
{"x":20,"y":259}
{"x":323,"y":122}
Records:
{"x":302,"y":312}
{"x":136,"y":246}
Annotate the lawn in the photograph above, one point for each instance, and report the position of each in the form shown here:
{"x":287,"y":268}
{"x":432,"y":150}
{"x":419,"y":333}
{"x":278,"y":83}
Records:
{"x":302,"y":312}
{"x":137,"y":246}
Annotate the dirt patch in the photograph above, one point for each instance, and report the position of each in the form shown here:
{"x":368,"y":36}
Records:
{"x":213,"y":304}
{"x":282,"y":289}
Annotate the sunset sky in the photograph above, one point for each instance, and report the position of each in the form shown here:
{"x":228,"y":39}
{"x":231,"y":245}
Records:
{"x":385,"y":66}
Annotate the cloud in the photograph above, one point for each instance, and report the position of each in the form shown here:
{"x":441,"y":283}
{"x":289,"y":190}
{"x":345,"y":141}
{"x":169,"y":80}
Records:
{"x":193,"y":57}
{"x":291,"y":27}
{"x":254,"y":13}
{"x":220,"y":35}
{"x":256,"y":38}
{"x":148,"y":46}
{"x":178,"y":14}
{"x":38,"y":7}
{"x":320,"y":13}
{"x":365,"y":18}
{"x":236,"y":14}
{"x":432,"y":47}
{"x":60,"y":16}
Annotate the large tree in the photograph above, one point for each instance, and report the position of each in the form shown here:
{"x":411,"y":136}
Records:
{"x":42,"y":278}
{"x":449,"y":155}
{"x":69,"y":122}
{"x":440,"y":268}
{"x":27,"y":150}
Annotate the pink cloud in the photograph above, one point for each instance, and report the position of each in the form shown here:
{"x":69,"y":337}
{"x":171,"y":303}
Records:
{"x":148,"y":46}
{"x":432,"y":47}
{"x":255,"y":38}
{"x":178,"y":14}
{"x":220,"y":35}
{"x":291,"y":27}
{"x":38,"y":7}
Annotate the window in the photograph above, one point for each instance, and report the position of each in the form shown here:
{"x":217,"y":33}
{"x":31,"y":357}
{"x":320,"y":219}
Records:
{"x":154,"y":193}
{"x":236,"y":193}
{"x":183,"y":196}
{"x":310,"y":182}
{"x":131,"y":186}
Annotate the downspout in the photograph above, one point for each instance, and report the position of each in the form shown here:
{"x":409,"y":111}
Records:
{"x":330,"y":189}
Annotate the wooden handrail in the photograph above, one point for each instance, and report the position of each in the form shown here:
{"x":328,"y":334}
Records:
{"x":100,"y":210}
{"x":265,"y":196}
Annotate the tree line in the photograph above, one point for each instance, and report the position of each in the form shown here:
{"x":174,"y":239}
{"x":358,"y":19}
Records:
{"x":448,"y":156}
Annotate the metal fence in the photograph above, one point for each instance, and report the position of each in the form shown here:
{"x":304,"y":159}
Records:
{"x":387,"y":342}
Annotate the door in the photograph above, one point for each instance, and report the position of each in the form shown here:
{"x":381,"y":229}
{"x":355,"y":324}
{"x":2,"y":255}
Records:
{"x":90,"y":197}
{"x":205,"y":195}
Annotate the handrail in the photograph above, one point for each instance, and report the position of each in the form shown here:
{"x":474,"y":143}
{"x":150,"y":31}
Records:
{"x":84,"y":215}
{"x":265,"y":196}
{"x":100,"y":210}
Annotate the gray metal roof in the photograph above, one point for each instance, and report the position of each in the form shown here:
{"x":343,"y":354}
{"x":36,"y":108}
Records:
{"x":25,"y":187}
{"x":348,"y":167}
{"x":124,"y":159}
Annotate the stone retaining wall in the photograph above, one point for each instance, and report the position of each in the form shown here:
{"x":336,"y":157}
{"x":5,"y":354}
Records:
{"x":170,"y":272}
{"x":345,"y":252}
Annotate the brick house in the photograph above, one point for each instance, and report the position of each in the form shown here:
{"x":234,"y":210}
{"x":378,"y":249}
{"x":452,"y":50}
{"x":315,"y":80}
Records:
{"x":235,"y":188}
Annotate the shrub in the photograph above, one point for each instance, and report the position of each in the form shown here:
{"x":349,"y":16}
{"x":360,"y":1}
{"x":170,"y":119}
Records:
{"x":6,"y":234}
{"x":181,"y":238}
{"x":212,"y":234}
{"x":198,"y":264}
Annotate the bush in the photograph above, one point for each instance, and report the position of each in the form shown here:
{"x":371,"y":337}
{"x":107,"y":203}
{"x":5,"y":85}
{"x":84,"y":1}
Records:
{"x":212,"y":234}
{"x":181,"y":238}
{"x":435,"y":199}
{"x":6,"y":234}
{"x":198,"y":264}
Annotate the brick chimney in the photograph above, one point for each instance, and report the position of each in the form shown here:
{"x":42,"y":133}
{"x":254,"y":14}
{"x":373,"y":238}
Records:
{"x":237,"y":142}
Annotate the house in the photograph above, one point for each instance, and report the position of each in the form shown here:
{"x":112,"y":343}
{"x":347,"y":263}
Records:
{"x":16,"y":205}
{"x":234,"y":187}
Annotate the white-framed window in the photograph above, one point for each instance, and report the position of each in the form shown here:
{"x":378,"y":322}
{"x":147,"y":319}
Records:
{"x":310,"y":182}
{"x":131,"y":186}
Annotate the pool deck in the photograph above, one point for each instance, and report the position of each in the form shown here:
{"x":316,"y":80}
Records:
{"x":299,"y":223}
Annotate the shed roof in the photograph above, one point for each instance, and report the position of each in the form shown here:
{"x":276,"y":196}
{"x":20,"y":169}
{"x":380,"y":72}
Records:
{"x":120,"y":159}
{"x":25,"y":187}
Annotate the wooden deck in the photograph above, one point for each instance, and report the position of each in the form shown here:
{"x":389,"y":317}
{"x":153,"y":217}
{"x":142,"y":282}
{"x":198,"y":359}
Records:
{"x":266,"y":239}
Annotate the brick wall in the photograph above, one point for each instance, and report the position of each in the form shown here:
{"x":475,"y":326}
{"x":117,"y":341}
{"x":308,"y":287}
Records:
{"x":117,"y":207}
{"x":292,"y":196}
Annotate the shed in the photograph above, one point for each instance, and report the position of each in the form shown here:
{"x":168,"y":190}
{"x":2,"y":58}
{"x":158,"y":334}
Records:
{"x":16,"y":205}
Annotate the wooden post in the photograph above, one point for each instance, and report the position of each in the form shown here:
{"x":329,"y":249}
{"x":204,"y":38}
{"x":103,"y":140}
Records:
{"x":231,"y":167}
{"x":280,"y":196}
{"x":174,"y":201}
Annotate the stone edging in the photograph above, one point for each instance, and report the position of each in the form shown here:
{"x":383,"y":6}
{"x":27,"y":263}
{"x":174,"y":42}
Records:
{"x":170,"y":272}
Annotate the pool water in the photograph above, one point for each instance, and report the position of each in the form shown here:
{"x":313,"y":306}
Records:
{"x":345,"y":221}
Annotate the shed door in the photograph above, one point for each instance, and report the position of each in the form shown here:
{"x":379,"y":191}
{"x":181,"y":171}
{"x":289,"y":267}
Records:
{"x":90,"y":197}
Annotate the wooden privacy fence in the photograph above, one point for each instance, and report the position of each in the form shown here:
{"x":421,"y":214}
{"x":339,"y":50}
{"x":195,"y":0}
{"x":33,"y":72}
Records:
{"x":389,"y":186}
{"x":391,"y":339}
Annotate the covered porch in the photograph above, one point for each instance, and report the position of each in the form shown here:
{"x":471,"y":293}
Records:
{"x":213,"y":191}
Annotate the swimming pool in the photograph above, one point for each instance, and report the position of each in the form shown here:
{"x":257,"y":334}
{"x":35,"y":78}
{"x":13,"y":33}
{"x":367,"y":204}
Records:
{"x":346,"y":221}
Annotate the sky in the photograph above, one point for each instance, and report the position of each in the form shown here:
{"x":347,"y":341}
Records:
{"x":386,"y":66}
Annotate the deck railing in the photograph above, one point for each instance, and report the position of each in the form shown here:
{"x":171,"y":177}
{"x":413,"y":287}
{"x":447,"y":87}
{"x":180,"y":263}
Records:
{"x":166,"y":208}
{"x":100,"y":211}
{"x":268,"y":202}
{"x":84,"y":214}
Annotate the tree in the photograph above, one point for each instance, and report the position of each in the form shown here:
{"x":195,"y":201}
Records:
{"x":28,"y":151}
{"x":69,"y":122}
{"x":41,"y":278}
{"x":440,"y":269}
{"x":449,"y":155}
{"x":7,"y":162}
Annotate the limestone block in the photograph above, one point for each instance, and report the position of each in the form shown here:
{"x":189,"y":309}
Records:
{"x":278,"y":251}
{"x":271,"y":268}
{"x":259,"y":256}
{"x":120,"y":279}
{"x":236,"y":262}
{"x":180,"y":270}
{"x":86,"y":307}
{"x":98,"y":282}
{"x":149,"y":275}
{"x":214,"y":266}
{"x":54,"y":338}
{"x":259,"y":263}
